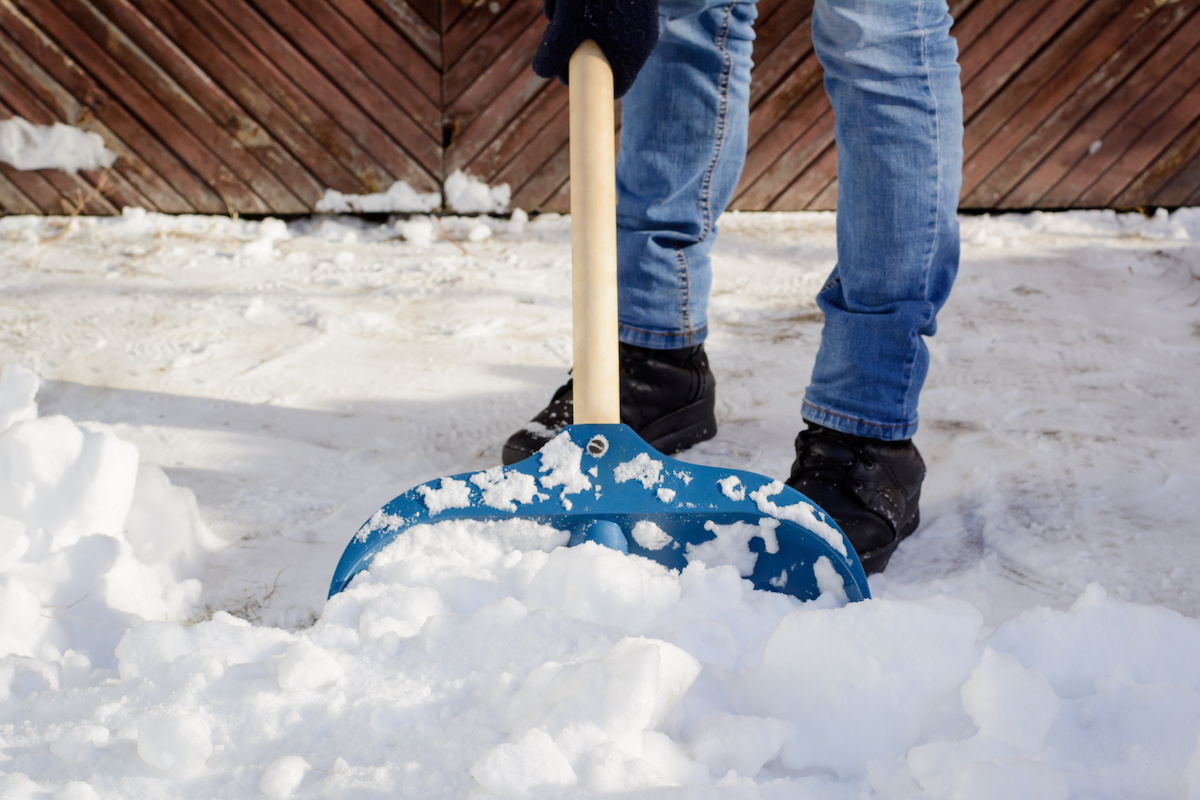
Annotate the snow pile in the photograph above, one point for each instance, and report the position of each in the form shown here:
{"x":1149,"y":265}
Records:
{"x":26,"y":146}
{"x":399,"y":198}
{"x":464,"y":194}
{"x":91,"y":541}
{"x":469,"y":195}
{"x":483,"y":659}
{"x":352,"y":359}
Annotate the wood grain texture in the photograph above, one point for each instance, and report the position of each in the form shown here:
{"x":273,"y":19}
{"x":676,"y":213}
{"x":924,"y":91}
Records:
{"x":260,"y":106}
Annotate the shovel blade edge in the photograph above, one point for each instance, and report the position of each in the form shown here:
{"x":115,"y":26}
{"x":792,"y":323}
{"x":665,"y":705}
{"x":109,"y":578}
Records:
{"x":602,"y":483}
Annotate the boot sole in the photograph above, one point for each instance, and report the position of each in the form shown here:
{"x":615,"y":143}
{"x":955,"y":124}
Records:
{"x":876,"y":560}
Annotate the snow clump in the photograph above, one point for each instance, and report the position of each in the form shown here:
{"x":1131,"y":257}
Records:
{"x":399,"y":198}
{"x":91,"y":540}
{"x":469,"y":195}
{"x":26,"y":146}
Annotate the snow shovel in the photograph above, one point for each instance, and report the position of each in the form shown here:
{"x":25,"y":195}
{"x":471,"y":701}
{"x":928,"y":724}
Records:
{"x":597,"y":479}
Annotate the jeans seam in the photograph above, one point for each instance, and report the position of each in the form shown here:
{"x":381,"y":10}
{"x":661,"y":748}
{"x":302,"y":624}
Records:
{"x":685,"y":290}
{"x":722,"y":124}
{"x":937,"y":201}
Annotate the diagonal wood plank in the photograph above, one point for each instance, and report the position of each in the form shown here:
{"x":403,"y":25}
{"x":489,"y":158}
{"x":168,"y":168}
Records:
{"x":196,"y":86}
{"x":1041,"y":84}
{"x":162,"y":179}
{"x":1099,"y":141}
{"x":190,"y":130}
{"x":418,"y":21}
{"x":384,"y":93}
{"x":1098,"y":78}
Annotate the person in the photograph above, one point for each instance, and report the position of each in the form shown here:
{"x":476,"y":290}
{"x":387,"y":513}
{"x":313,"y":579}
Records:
{"x":891,"y":74}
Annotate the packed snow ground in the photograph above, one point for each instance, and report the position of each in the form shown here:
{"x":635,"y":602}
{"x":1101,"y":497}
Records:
{"x":198,"y":413}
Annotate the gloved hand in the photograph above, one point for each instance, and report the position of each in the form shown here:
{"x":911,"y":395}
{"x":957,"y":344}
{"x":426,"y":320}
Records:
{"x":625,"y":30}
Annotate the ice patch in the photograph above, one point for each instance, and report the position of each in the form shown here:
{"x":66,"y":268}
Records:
{"x":26,"y":146}
{"x":731,"y":545}
{"x":399,"y":198}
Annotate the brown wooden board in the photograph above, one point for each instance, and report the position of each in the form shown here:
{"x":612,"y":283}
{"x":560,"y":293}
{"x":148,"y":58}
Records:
{"x":549,"y":189}
{"x":503,"y":54}
{"x":401,"y":111}
{"x":1095,"y":83}
{"x":387,"y":41}
{"x":188,"y":84}
{"x":22,"y":99}
{"x":306,"y":125}
{"x":417,"y":21}
{"x":527,"y":162}
{"x":993,"y":48}
{"x":495,"y":97}
{"x":47,"y":189}
{"x":190,"y":149}
{"x":782,"y":39}
{"x":473,"y":24}
{"x":1122,"y":185}
{"x":1098,"y":141}
{"x":219,"y":82}
{"x":340,"y":123}
{"x":777,"y":74}
{"x":1182,"y":185}
{"x":262,"y":105}
{"x":787,"y":148}
{"x":244,"y":183}
{"x":165,"y":183}
{"x":537,"y":128}
{"x":1044,"y":83}
{"x":12,"y":199}
{"x":1144,"y":190}
{"x":811,"y":181}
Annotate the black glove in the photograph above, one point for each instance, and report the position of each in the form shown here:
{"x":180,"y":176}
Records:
{"x":625,"y":30}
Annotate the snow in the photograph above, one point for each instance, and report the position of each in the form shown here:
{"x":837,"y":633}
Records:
{"x":197,"y":413}
{"x":650,"y":535}
{"x":641,"y":468}
{"x":467,"y":194}
{"x":26,"y":146}
{"x":399,"y":197}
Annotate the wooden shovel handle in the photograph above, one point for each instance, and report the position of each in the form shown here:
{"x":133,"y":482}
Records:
{"x":594,"y":237}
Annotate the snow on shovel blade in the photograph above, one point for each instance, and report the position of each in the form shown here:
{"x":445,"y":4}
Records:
{"x":604,"y":484}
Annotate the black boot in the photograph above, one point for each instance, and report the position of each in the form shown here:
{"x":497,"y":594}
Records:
{"x":667,"y":397}
{"x":869,"y":486}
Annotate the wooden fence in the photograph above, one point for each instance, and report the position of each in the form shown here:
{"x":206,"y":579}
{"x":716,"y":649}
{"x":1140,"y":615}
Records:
{"x":260,"y":106}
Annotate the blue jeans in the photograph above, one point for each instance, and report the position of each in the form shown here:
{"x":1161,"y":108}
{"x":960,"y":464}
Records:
{"x":891,"y":74}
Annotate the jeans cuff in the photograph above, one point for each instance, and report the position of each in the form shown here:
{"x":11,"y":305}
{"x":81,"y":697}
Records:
{"x":856,"y":426}
{"x":661,"y":340}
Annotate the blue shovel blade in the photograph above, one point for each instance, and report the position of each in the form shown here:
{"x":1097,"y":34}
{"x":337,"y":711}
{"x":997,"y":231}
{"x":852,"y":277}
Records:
{"x":604,"y":484}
